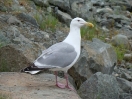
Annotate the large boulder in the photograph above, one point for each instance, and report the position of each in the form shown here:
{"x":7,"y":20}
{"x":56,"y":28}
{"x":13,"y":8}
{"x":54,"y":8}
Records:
{"x":96,"y":56}
{"x":25,"y":86}
{"x":100,"y":86}
{"x":21,"y":46}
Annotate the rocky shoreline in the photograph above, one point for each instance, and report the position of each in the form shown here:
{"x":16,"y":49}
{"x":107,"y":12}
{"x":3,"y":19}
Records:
{"x":98,"y":74}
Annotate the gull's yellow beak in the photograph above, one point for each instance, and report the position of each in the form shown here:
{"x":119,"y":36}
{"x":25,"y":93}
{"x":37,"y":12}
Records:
{"x":89,"y":24}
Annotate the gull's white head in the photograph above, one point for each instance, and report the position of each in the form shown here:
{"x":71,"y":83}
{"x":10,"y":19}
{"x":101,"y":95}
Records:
{"x":79,"y":22}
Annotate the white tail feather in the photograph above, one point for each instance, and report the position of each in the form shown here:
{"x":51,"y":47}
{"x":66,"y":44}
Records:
{"x":33,"y":72}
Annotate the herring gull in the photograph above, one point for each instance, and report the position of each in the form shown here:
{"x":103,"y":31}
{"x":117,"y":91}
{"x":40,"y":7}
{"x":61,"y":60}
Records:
{"x":61,"y":56}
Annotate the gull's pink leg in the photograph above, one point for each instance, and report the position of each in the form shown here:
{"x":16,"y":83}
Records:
{"x":57,"y":83}
{"x":67,"y":85}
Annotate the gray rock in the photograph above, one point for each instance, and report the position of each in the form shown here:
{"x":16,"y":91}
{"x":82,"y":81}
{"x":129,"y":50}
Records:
{"x":95,"y":57}
{"x":82,"y":9}
{"x":60,"y":36}
{"x":64,"y":17}
{"x":33,"y":87}
{"x":16,"y":7}
{"x":118,"y":18}
{"x":125,"y":85}
{"x":120,"y":40}
{"x":12,"y":32}
{"x":125,"y":96}
{"x":117,"y":9}
{"x":3,"y":8}
{"x":49,"y":9}
{"x":32,"y":4}
{"x":124,"y":72}
{"x":102,"y":54}
{"x":42,"y":3}
{"x":108,"y":23}
{"x":104,"y":10}
{"x":126,"y":32}
{"x":14,"y":59}
{"x":27,"y":18}
{"x":117,"y":25}
{"x":13,"y":21}
{"x":126,"y":76}
{"x":63,"y":4}
{"x":98,"y":2}
{"x":127,"y":57}
{"x":3,"y":39}
{"x":99,"y":86}
{"x":17,"y":40}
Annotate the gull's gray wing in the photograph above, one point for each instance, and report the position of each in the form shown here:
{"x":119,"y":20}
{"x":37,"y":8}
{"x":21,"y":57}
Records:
{"x":58,"y":55}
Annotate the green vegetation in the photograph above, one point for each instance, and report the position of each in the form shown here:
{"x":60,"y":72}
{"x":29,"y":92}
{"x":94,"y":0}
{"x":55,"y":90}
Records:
{"x":4,"y":66}
{"x":3,"y":96}
{"x":1,"y":45}
{"x":6,"y":2}
{"x":89,"y":33}
{"x":46,"y":21}
{"x":120,"y":53}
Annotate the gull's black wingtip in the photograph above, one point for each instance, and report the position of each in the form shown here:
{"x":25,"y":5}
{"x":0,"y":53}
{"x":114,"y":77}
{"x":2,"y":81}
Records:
{"x":29,"y":68}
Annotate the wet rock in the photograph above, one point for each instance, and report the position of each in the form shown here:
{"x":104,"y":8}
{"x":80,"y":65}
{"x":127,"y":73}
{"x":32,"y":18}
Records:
{"x":100,"y":86}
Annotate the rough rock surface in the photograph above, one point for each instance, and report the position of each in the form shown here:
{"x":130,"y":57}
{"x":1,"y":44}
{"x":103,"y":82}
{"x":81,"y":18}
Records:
{"x":21,"y":21}
{"x":96,"y":56}
{"x":25,"y":86}
{"x":121,"y":40}
{"x":100,"y":86}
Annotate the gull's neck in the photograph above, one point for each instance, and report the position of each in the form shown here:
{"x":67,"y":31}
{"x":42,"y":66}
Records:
{"x":74,"y":37}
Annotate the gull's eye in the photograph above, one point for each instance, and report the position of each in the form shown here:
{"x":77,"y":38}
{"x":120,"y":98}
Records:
{"x":78,"y":20}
